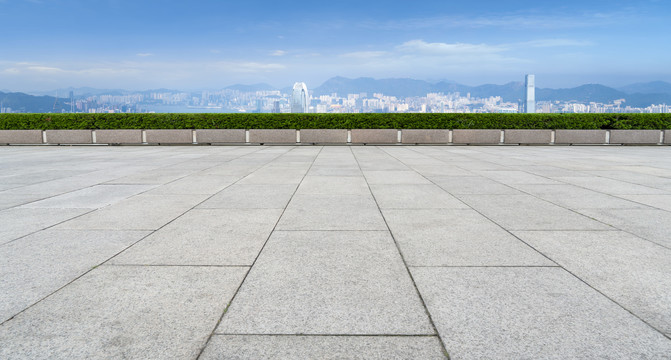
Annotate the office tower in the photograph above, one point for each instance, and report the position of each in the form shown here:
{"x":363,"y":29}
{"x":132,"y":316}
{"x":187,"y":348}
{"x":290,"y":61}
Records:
{"x":276,"y":107}
{"x":72,"y":101}
{"x":299,"y":98}
{"x":530,"y":94}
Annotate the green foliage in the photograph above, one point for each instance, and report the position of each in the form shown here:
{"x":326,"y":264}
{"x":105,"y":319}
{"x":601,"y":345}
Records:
{"x":334,"y":121}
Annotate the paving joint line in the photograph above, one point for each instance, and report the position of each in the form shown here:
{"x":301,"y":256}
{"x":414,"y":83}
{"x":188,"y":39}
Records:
{"x":96,"y":266}
{"x":573,"y":274}
{"x":230,"y":302}
{"x":405,"y":263}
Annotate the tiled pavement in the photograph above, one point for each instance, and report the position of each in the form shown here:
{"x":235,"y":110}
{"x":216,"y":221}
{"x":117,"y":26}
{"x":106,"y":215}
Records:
{"x":335,"y":252}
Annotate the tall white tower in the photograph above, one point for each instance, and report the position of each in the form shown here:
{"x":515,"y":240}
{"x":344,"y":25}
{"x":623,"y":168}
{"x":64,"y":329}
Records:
{"x":530,"y":94}
{"x":299,"y":98}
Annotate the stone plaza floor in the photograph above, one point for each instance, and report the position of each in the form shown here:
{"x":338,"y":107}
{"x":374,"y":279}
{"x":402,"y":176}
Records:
{"x":293,"y":252}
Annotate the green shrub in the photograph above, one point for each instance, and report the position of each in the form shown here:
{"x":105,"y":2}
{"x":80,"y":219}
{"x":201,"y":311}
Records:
{"x":334,"y":121}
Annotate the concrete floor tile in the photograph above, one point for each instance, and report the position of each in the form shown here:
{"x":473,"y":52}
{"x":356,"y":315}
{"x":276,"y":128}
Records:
{"x":513,"y":177}
{"x":274,"y":175}
{"x":9,"y":200}
{"x":124,"y":312}
{"x":196,"y":184}
{"x":611,"y":186}
{"x":322,"y":347}
{"x":525,"y":212}
{"x":531,"y":313}
{"x":441,"y":170}
{"x":94,"y":197}
{"x":411,"y":196}
{"x":457,"y":238}
{"x":330,"y":282}
{"x":471,"y":185}
{"x":17,"y":222}
{"x":39,"y":264}
{"x":662,"y":202}
{"x":574,"y":197}
{"x":653,"y":225}
{"x":206,"y":237}
{"x":332,"y":212}
{"x":158,"y":176}
{"x":394,"y":177}
{"x":632,"y":271}
{"x":238,"y":196}
{"x":341,"y":185}
{"x":140,"y":212}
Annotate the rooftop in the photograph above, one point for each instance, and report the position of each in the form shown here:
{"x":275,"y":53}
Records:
{"x":335,"y":252}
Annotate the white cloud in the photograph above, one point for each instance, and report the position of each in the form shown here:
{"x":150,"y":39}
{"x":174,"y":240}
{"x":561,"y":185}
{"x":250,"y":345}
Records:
{"x":144,"y":54}
{"x":543,"y":43}
{"x":250,"y":67}
{"x":278,"y":53}
{"x":365,"y":54}
{"x":420,"y":47}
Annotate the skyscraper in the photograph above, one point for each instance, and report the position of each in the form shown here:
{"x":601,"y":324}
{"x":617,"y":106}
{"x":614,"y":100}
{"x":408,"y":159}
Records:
{"x":530,"y":94}
{"x":299,"y":98}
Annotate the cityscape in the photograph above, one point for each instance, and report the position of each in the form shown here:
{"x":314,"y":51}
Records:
{"x":300,"y":99}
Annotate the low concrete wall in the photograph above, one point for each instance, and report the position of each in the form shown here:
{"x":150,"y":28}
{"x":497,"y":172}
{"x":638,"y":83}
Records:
{"x":566,"y":137}
{"x":69,"y":137}
{"x":338,"y":137}
{"x":429,"y":136}
{"x":634,"y":137}
{"x":220,"y":136}
{"x":527,"y":137}
{"x":272,"y":136}
{"x":20,"y":136}
{"x":324,"y":136}
{"x":176,"y":136}
{"x":374,"y":136}
{"x":118,"y":136}
{"x":476,"y":137}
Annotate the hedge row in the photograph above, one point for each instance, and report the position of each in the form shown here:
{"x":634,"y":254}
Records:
{"x":334,"y":121}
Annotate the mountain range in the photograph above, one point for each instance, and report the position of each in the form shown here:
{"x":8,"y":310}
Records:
{"x":636,"y":95}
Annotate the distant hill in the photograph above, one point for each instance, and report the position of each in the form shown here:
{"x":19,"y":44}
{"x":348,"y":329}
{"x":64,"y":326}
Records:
{"x":655,"y":87}
{"x":251,"y":88}
{"x":29,"y":103}
{"x":81,"y":91}
{"x":511,"y":92}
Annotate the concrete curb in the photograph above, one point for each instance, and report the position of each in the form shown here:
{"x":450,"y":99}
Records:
{"x":374,"y":136}
{"x":69,"y":137}
{"x":337,"y":137}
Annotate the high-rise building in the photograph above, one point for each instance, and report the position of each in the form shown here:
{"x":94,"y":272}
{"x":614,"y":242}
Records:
{"x":530,"y":94}
{"x":299,"y":98}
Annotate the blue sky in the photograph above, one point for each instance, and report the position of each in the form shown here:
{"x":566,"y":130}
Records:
{"x":142,"y":44}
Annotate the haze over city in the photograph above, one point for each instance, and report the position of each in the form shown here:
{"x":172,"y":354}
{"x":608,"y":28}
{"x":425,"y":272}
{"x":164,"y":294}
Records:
{"x":53,"y":44}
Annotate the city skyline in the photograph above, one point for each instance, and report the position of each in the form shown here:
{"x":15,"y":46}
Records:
{"x":207,"y":44}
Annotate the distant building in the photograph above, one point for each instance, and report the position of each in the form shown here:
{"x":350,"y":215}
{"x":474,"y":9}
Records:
{"x":276,"y":107}
{"x":530,"y":94}
{"x":299,"y":98}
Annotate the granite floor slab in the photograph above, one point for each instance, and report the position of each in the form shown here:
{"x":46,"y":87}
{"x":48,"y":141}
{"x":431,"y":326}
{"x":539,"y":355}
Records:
{"x":332,"y":212}
{"x":525,"y":212}
{"x":39,"y":264}
{"x":335,"y":252}
{"x":254,"y":347}
{"x":531,"y":313}
{"x":447,"y":237}
{"x":141,"y":212}
{"x":18,"y":222}
{"x":632,"y":271}
{"x":124,"y":312}
{"x":238,"y":196}
{"x":206,"y":237}
{"x":327,"y":282}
